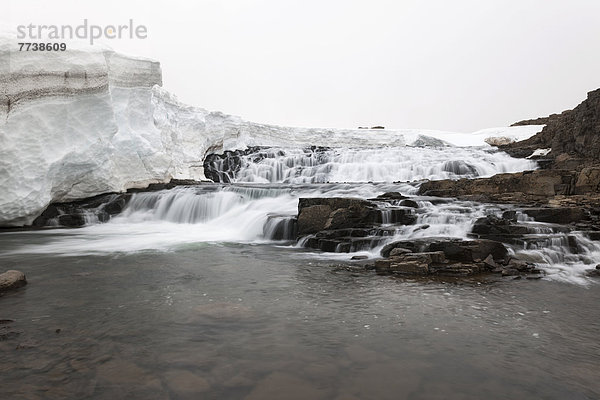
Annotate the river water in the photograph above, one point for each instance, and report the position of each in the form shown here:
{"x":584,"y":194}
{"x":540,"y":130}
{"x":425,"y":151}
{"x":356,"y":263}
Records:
{"x":189,"y":294}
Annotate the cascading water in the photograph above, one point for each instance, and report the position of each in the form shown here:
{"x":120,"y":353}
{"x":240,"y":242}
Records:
{"x":391,"y":164}
{"x":260,"y":205}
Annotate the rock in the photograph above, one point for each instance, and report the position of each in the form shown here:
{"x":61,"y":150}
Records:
{"x":593,"y":272}
{"x":499,"y":141}
{"x":317,"y":214}
{"x":459,"y":250}
{"x":74,"y":214}
{"x":492,"y":225}
{"x":574,"y":132}
{"x":557,"y":215}
{"x":339,"y":213}
{"x":489,"y":261}
{"x":399,"y":251}
{"x":533,"y":185}
{"x":403,"y":267}
{"x":312,"y":219}
{"x":459,"y":167}
{"x":359,"y":258}
{"x":409,"y":203}
{"x":588,"y":181}
{"x":391,"y":196}
{"x":11,"y":280}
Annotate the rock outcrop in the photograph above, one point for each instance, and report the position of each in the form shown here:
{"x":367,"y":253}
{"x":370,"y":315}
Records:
{"x":573,"y":134}
{"x":340,"y":224}
{"x":449,"y":257}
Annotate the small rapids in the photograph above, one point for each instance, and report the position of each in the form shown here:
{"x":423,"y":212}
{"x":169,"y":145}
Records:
{"x":394,"y":164}
{"x":262,"y":206}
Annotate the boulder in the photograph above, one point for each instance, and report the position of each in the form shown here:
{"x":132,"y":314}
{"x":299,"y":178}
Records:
{"x":12,"y":279}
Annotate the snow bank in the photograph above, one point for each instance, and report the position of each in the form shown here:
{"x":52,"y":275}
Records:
{"x":87,"y":121}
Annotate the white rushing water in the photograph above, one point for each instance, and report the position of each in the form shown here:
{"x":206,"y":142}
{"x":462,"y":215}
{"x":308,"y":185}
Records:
{"x":263,"y":213}
{"x":387,"y":164}
{"x":262,"y":202}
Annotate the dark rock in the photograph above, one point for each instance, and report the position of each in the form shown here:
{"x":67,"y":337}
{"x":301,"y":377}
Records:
{"x":391,"y":196}
{"x":71,"y":220}
{"x":492,"y":225}
{"x":73,"y":214}
{"x":409,"y":203}
{"x":593,"y":272}
{"x":319,"y":214}
{"x":312,"y":219}
{"x":557,"y":215}
{"x":489,"y":261}
{"x":397,"y":251}
{"x":459,"y":167}
{"x":11,"y":280}
{"x":574,"y":132}
{"x":359,"y":258}
{"x":517,"y":187}
{"x":454,"y":249}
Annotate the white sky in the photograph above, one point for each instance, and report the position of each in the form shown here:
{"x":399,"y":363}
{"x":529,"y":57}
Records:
{"x":457,"y":65}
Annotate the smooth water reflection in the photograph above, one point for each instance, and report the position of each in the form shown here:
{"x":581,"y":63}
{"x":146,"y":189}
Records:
{"x":258,"y":322}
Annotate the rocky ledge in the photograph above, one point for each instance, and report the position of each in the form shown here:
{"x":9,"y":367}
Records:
{"x":573,"y":136}
{"x":450,"y":257}
{"x":349,"y":224}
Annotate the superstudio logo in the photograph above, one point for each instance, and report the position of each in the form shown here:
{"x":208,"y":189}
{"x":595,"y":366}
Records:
{"x":85,"y":31}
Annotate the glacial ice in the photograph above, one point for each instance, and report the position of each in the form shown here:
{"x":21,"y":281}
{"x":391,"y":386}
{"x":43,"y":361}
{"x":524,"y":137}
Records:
{"x":88,"y":120}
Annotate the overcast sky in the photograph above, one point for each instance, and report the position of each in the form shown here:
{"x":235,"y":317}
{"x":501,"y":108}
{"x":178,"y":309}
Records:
{"x":440,"y":64}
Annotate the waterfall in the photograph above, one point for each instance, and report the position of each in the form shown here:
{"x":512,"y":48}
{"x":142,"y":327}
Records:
{"x":258,"y":203}
{"x":390,"y":164}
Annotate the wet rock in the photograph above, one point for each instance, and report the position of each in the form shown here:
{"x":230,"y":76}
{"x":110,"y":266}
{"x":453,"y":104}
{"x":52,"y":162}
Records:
{"x":459,"y":167}
{"x":489,"y":261}
{"x":400,"y":266}
{"x":359,"y":258}
{"x":74,"y":214}
{"x":317,"y":214}
{"x":11,"y":280}
{"x":409,"y":203}
{"x":312,"y":219}
{"x":391,"y":196}
{"x":492,"y":225}
{"x":454,"y":249}
{"x":398,"y":251}
{"x":557,"y":215}
{"x":593,"y":272}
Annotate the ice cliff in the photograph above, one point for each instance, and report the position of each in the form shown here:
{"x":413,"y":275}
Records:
{"x":88,"y":120}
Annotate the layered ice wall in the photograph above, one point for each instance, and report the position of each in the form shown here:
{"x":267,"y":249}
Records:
{"x":86,"y":121}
